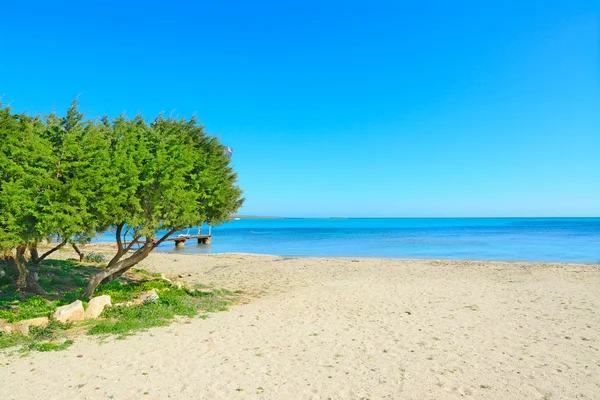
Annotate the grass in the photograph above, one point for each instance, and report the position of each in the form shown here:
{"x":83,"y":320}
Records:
{"x":173,"y":302}
{"x":121,"y":291}
{"x":50,"y":338}
{"x":32,"y":307}
{"x":64,"y":280}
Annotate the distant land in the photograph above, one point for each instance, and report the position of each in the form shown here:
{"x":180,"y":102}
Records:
{"x":272,"y":217}
{"x":235,"y":216}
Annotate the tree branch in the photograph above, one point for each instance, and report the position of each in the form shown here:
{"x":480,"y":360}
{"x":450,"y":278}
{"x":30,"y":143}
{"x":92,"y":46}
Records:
{"x":46,"y":254}
{"x":162,"y":239}
{"x":133,"y":241}
{"x":119,"y":246}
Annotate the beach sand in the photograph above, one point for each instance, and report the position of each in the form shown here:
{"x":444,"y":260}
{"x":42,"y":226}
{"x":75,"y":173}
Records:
{"x":342,"y":328}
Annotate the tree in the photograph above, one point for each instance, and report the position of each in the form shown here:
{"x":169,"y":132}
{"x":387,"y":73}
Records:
{"x":161,"y":178}
{"x":68,"y":210}
{"x":23,"y":170}
{"x":67,"y":179}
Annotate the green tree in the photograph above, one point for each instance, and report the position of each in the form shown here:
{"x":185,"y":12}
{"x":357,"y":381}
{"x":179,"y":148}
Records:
{"x":68,"y":210}
{"x":161,"y":177}
{"x":24,"y":158}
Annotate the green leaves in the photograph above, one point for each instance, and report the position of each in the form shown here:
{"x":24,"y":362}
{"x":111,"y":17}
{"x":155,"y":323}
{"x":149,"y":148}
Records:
{"x":23,"y":161}
{"x":68,"y":178}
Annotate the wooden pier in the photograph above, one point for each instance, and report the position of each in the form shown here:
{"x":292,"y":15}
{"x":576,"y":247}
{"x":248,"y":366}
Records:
{"x":179,"y":240}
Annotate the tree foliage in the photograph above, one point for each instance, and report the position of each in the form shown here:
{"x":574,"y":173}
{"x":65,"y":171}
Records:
{"x":69,"y":178}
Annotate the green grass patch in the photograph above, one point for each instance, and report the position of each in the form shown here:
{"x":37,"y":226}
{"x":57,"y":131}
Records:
{"x":127,"y":291}
{"x":49,"y":338}
{"x":146,"y":272}
{"x":65,"y":280}
{"x":124,"y":320}
{"x":48,"y":346}
{"x":32,"y":307}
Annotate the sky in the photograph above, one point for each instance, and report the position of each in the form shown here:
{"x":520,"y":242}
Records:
{"x":342,"y":108}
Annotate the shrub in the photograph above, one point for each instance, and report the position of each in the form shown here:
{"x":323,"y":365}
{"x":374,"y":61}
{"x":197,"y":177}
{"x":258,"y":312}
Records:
{"x":94,"y":257}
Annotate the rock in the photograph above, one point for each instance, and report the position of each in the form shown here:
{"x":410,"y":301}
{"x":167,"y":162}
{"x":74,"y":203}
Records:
{"x":164,"y":277}
{"x":23,"y":326}
{"x":7,"y":329}
{"x":70,"y":312}
{"x":148,"y":297}
{"x":96,"y":306}
{"x":40,"y":322}
{"x":178,"y":285}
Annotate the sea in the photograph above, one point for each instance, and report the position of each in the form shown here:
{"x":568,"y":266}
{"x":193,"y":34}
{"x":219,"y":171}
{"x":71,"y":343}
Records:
{"x":525,"y":239}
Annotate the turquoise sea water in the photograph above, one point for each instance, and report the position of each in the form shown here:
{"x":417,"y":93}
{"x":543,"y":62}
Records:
{"x":535,"y":239}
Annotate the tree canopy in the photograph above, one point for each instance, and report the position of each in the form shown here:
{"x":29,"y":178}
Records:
{"x":68,"y":178}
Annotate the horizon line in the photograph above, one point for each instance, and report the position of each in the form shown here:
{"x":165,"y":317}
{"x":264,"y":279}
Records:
{"x":392,"y":217}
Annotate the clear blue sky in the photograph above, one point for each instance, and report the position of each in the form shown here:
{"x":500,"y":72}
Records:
{"x":342,"y":108}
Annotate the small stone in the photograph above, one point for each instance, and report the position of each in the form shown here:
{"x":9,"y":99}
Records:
{"x":70,"y":312}
{"x":178,"y":285}
{"x":6,"y":328}
{"x":149,"y":297}
{"x":164,"y":278}
{"x":96,"y":306}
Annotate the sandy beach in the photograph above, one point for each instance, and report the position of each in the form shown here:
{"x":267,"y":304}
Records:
{"x":342,"y":328}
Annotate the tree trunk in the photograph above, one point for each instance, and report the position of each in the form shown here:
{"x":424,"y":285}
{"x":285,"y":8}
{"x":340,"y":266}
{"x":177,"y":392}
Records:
{"x":21,"y":283}
{"x":35,"y":256}
{"x":11,"y":262}
{"x":33,"y":285}
{"x":107,"y":274}
{"x":81,"y":255}
{"x":26,"y":280}
{"x":117,"y":267}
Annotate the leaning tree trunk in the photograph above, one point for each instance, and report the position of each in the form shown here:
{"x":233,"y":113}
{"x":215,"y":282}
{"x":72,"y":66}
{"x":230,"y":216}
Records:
{"x":119,"y":267}
{"x":81,"y":255}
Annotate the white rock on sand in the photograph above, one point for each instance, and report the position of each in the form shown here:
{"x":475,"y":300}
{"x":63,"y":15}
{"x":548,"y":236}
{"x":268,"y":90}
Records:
{"x":318,"y":328}
{"x":70,"y":312}
{"x":96,"y":306}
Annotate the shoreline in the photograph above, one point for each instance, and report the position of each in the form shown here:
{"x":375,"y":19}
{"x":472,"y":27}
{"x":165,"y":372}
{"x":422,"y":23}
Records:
{"x":110,"y":245}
